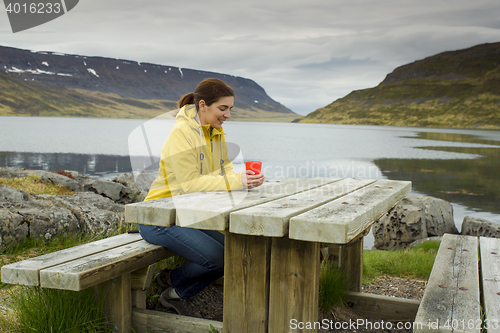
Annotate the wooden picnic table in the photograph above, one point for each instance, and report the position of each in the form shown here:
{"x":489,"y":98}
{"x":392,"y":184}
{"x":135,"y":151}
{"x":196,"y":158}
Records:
{"x":272,"y":240}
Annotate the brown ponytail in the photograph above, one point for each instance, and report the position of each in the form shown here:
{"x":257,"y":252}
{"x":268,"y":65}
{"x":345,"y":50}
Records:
{"x":186,"y":99}
{"x":209,"y":90}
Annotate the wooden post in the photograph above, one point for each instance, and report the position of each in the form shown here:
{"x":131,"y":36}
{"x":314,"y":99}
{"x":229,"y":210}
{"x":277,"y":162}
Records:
{"x":118,"y":302}
{"x":351,"y":262}
{"x":246,"y":283}
{"x":138,"y":298}
{"x":294,"y":283}
{"x":141,"y":278}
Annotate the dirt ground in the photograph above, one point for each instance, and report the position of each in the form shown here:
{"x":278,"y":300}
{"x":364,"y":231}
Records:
{"x":208,"y":304}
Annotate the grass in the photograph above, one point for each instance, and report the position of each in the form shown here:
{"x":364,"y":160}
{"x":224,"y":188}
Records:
{"x":51,"y":310}
{"x":413,"y":263}
{"x":33,"y":184}
{"x":333,"y":287}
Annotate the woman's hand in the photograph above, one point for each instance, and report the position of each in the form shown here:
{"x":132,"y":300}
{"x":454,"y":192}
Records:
{"x":251,"y":180}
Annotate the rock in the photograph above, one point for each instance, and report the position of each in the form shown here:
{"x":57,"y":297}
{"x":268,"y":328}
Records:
{"x":134,"y":191}
{"x":94,"y":213}
{"x":400,"y":227}
{"x":439,"y":216}
{"x":12,"y":228}
{"x":8,"y":194}
{"x":412,"y":219}
{"x":100,"y":210}
{"x":104,"y":187}
{"x":475,"y":226}
{"x":44,"y":216}
{"x":144,"y":181}
{"x":13,"y":172}
{"x":123,"y":189}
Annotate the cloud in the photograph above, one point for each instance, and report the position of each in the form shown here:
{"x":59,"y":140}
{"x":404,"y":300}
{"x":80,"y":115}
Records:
{"x":305,"y":55}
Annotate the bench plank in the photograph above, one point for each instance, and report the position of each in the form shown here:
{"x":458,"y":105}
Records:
{"x":451,"y":300}
{"x":490,"y":270}
{"x":341,"y":220}
{"x":26,"y":272}
{"x":271,"y":219}
{"x":88,"y":271}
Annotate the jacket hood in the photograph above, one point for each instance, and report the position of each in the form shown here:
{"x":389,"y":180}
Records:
{"x":188,"y":114}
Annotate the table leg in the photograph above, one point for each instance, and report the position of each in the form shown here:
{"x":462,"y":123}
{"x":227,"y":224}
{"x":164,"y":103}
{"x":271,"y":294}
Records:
{"x":294,"y":284}
{"x":351,"y":262}
{"x":246,"y":283}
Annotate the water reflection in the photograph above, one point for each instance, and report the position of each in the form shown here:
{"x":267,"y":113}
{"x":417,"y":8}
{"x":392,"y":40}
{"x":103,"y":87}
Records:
{"x":98,"y":165}
{"x":473,"y":183}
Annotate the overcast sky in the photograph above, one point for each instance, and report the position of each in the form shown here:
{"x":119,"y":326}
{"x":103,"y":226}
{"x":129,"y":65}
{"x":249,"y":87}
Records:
{"x":305,"y":54}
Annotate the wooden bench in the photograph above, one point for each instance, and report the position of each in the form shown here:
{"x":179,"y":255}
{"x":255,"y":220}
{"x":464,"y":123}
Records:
{"x":122,"y":267}
{"x":463,"y":291}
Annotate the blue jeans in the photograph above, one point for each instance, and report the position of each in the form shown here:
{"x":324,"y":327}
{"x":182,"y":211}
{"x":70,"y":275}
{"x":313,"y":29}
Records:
{"x":204,"y":250}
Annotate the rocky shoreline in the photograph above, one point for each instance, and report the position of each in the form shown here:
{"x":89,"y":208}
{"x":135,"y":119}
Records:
{"x":98,"y":207}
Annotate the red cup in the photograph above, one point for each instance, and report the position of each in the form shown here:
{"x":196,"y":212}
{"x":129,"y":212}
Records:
{"x":255,"y":166}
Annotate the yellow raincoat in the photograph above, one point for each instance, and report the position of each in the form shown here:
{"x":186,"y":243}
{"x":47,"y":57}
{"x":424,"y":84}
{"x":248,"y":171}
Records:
{"x":184,"y":170}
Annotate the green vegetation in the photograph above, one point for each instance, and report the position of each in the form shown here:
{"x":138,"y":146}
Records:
{"x":333,"y":287}
{"x":34,"y":185}
{"x":213,"y":329}
{"x":452,"y":89}
{"x":413,"y":263}
{"x":51,"y":310}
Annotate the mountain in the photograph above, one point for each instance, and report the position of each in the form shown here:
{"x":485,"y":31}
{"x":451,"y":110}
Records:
{"x":54,"y":84}
{"x":451,"y":89}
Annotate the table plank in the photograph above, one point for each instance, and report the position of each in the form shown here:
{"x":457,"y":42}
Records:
{"x":84,"y":272}
{"x":26,"y":272}
{"x":214,"y":214}
{"x":210,"y":210}
{"x":451,"y":301}
{"x":271,"y":219}
{"x":490,"y":270}
{"x":341,"y":220}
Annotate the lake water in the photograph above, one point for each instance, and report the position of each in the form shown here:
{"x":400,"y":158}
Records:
{"x":460,"y":166}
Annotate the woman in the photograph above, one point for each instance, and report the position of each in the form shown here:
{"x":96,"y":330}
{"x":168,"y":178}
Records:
{"x":194,"y":158}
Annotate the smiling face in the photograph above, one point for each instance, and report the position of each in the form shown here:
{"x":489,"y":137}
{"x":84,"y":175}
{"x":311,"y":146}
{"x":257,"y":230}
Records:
{"x":217,"y":113}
